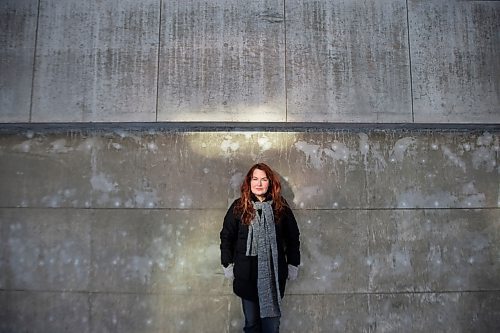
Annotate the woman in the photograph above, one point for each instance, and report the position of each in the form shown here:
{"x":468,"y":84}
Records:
{"x":260,"y":248}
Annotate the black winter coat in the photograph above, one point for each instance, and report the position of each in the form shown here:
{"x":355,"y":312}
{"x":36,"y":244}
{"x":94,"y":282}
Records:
{"x":233,"y":244}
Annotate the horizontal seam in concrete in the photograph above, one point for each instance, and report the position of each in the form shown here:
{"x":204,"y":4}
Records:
{"x":224,"y":209}
{"x":6,"y":128}
{"x":286,"y":294}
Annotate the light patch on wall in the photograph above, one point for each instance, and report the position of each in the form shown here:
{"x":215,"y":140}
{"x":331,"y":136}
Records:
{"x":59,"y":146}
{"x":338,"y":151}
{"x":228,"y":146}
{"x":484,"y":157}
{"x":324,"y":269}
{"x":401,"y":148}
{"x":471,"y":197}
{"x":453,"y":158}
{"x":414,"y":198}
{"x":23,"y":147}
{"x":143,"y":199}
{"x":317,"y":156}
{"x":229,"y":111}
{"x":152,"y":147}
{"x":89,"y":143}
{"x":363,"y":144}
{"x":486,"y":153}
{"x":236,"y":180}
{"x":264,"y":143}
{"x":249,"y":145}
{"x":103,"y":183}
{"x":138,"y":268}
{"x":185,"y":201}
{"x":306,"y":194}
{"x":312,"y":152}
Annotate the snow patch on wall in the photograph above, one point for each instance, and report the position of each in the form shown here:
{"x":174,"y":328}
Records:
{"x":236,"y":181}
{"x":23,"y":147}
{"x":312,"y":152}
{"x":415,"y":198}
{"x":264,"y":143}
{"x":453,"y":158}
{"x":402,"y":147}
{"x":229,"y":147}
{"x":103,"y":183}
{"x":306,"y":194}
{"x":59,"y":146}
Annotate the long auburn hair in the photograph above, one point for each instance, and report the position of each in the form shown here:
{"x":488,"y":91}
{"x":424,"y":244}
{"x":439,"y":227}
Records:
{"x":244,"y":207}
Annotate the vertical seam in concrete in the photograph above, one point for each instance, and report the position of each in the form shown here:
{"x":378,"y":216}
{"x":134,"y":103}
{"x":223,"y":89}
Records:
{"x":158,"y":63}
{"x":91,"y":268}
{"x":284,"y":65}
{"x":34,"y":61}
{"x":409,"y":60}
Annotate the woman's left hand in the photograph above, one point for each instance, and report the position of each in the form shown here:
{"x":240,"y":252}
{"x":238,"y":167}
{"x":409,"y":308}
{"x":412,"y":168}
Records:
{"x":293,"y":272}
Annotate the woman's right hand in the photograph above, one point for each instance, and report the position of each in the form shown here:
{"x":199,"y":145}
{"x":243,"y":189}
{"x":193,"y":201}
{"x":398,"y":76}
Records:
{"x":228,"y":272}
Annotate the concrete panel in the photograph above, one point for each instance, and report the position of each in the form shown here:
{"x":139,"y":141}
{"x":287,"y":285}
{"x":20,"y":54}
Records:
{"x":46,"y":171}
{"x":68,"y":312}
{"x":394,"y":251}
{"x":455,"y":56}
{"x":325,"y":313}
{"x":158,"y":313}
{"x":392,"y":169}
{"x":434,"y":250}
{"x":436,"y":312}
{"x":17,"y":45}
{"x":330,"y":262}
{"x":96,"y":61}
{"x":45,"y":249}
{"x":427,"y":312}
{"x":157,"y":251}
{"x":347,"y":61}
{"x":23,"y":311}
{"x":222,"y":61}
{"x":323,"y":170}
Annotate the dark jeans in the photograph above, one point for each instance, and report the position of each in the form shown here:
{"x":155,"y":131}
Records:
{"x":255,"y":324}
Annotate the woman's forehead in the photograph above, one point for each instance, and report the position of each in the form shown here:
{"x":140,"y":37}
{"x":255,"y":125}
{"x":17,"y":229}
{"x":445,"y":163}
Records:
{"x":259,"y":173}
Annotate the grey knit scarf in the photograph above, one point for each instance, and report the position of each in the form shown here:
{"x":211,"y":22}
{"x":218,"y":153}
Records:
{"x":261,"y":242}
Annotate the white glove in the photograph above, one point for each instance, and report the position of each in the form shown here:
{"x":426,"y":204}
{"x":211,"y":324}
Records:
{"x":228,"y":272}
{"x":293,"y":272}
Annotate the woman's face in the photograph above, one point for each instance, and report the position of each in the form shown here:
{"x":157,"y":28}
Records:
{"x":259,"y":184}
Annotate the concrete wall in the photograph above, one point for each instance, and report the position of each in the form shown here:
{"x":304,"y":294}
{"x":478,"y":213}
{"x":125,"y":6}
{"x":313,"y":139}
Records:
{"x":384,"y":61}
{"x":116,"y":229}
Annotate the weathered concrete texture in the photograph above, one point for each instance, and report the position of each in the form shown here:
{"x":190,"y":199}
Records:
{"x":324,"y":170}
{"x":222,"y":61}
{"x":260,"y":61}
{"x":96,"y":61}
{"x":347,"y":61}
{"x":440,"y":312}
{"x":157,"y":251}
{"x":389,"y":251}
{"x":168,"y":251}
{"x":17,"y":46}
{"x":159,"y":313}
{"x":37,"y":312}
{"x":455,"y":54}
{"x":119,"y":231}
{"x":45,"y":249}
{"x":429,"y":312}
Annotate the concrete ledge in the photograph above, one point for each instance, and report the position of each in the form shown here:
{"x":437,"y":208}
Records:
{"x":8,"y":128}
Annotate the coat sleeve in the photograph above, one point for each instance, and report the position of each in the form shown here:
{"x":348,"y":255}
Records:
{"x":228,"y":237}
{"x":292,"y":238}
